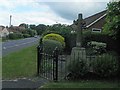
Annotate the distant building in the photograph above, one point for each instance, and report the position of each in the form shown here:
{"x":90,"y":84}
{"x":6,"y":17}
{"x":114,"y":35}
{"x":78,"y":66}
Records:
{"x":95,"y":22}
{"x":3,"y":31}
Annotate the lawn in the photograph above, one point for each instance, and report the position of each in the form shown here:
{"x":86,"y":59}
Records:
{"x":0,"y":39}
{"x":20,"y":64}
{"x":84,"y":84}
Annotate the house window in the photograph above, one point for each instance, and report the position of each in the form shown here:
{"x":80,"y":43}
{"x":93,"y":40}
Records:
{"x":96,"y":30}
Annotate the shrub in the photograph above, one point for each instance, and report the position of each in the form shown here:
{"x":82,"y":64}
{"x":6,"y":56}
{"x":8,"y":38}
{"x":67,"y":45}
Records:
{"x":50,"y":45}
{"x":55,"y":37}
{"x":99,"y":37}
{"x":26,"y":35}
{"x":105,"y":65}
{"x":78,"y":68}
{"x":15,"y":35}
{"x":98,"y":47}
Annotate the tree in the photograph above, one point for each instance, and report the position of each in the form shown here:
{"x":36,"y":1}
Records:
{"x":112,"y":26}
{"x":23,"y":25}
{"x":32,"y":26}
{"x":40,"y":28}
{"x":31,"y":32}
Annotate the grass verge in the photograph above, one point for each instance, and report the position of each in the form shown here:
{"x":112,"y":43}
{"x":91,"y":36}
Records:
{"x":20,"y":64}
{"x":0,"y":39}
{"x":83,"y":84}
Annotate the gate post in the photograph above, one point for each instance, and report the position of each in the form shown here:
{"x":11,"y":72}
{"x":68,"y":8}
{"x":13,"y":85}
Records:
{"x":55,"y":73}
{"x":39,"y":58}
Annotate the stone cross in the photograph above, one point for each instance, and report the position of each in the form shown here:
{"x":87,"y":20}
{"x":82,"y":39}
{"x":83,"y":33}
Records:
{"x":79,"y":23}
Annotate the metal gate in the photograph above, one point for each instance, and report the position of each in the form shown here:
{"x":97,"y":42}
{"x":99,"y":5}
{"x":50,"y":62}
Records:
{"x":52,"y":67}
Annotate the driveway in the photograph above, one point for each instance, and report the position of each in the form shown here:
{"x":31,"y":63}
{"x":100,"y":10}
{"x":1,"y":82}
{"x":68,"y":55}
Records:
{"x":15,"y":45}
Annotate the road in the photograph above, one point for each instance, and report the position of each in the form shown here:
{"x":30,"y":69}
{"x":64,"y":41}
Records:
{"x":15,"y":45}
{"x":24,"y":84}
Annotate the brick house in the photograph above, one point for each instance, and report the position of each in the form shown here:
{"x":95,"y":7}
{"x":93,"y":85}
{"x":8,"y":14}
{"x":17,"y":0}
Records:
{"x":95,"y":22}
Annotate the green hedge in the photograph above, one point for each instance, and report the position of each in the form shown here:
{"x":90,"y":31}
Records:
{"x":15,"y":36}
{"x":50,"y":45}
{"x":100,"y":37}
{"x":56,"y":37}
{"x":26,"y":35}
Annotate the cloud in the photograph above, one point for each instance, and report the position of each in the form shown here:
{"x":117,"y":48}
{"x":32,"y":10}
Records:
{"x":46,"y":12}
{"x":70,"y":10}
{"x":29,"y":12}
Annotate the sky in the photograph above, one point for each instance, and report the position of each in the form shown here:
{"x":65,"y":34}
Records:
{"x":47,"y":12}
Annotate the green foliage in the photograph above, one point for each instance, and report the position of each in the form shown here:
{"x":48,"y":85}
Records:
{"x":112,"y":26}
{"x":98,"y":47}
{"x":55,"y":37}
{"x":70,"y":41}
{"x":26,"y":35}
{"x":40,"y":29}
{"x":50,"y":45}
{"x":105,"y":65}
{"x":15,"y":35}
{"x":31,"y":32}
{"x":113,"y":19}
{"x":23,"y":25}
{"x":77,"y":67}
{"x":99,"y":37}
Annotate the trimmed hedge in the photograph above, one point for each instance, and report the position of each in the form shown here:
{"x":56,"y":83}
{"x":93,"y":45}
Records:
{"x":55,"y":37}
{"x":50,"y":45}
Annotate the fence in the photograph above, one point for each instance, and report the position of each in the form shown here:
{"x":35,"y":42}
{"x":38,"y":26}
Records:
{"x":55,"y":67}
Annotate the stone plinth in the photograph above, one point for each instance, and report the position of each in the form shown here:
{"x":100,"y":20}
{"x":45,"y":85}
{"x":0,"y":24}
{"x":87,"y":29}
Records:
{"x":78,"y":53}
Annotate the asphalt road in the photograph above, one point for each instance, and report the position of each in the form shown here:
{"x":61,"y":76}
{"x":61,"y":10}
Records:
{"x":23,"y":84}
{"x":15,"y":45}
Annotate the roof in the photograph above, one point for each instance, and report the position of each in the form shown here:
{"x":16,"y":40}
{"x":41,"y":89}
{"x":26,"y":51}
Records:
{"x":94,"y":18}
{"x":1,"y":28}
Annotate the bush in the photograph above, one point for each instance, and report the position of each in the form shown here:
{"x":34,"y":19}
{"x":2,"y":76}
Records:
{"x":50,"y":45}
{"x":15,"y":35}
{"x":26,"y":35}
{"x":98,"y":47}
{"x":55,"y":37}
{"x":105,"y":65}
{"x":70,"y":41}
{"x":78,"y":68}
{"x":31,"y":32}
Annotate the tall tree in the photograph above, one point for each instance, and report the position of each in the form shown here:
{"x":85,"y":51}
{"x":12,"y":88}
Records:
{"x":112,"y":26}
{"x":40,"y":28}
{"x":32,"y":26}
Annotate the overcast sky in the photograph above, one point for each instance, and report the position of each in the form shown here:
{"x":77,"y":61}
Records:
{"x":44,"y":12}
